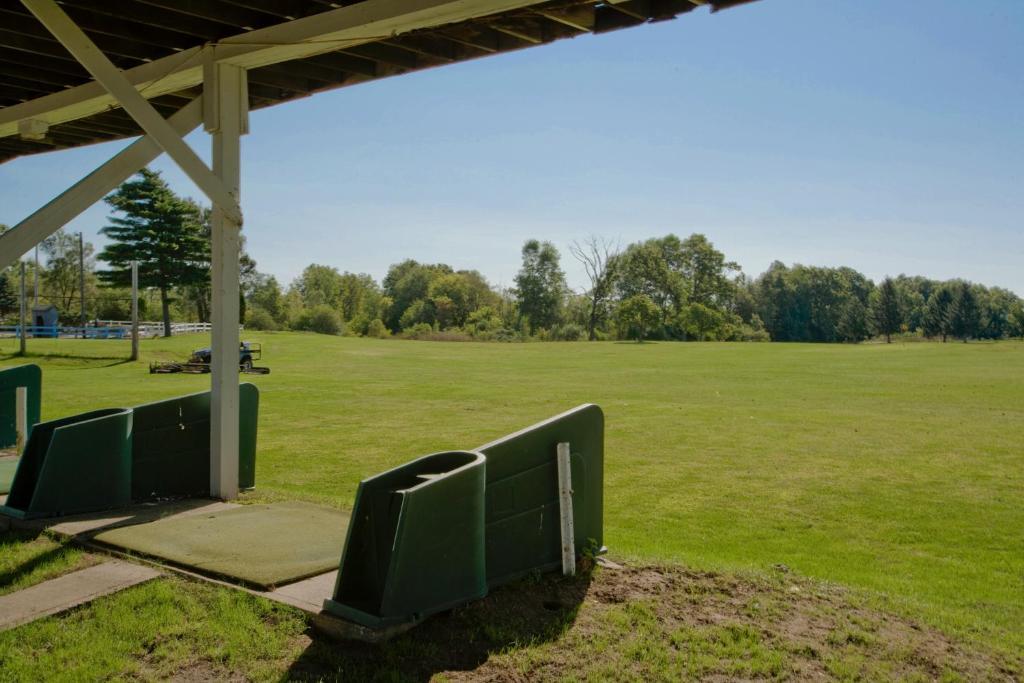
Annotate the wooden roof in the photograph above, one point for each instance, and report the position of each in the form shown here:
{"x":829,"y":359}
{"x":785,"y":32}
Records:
{"x":133,"y":33}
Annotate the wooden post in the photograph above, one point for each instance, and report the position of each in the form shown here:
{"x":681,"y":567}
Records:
{"x":565,"y":510}
{"x":225,"y":103}
{"x":135,"y":310}
{"x":24,"y":313}
{"x":21,"y":416}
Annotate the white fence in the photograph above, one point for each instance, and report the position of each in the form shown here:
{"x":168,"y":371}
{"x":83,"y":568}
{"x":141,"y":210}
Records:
{"x":155,"y":329}
{"x":107,"y":329}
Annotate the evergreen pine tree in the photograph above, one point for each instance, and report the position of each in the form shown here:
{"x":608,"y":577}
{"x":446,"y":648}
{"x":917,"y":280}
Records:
{"x":886,"y":310}
{"x":8,"y":297}
{"x":159,"y":230}
{"x":936,"y":316}
{"x":964,"y":315}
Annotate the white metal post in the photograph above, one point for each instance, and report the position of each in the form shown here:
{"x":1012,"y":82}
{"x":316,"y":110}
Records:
{"x":225,"y":107}
{"x":24,"y":313}
{"x":21,"y":416}
{"x":135,"y":310}
{"x":565,"y":510}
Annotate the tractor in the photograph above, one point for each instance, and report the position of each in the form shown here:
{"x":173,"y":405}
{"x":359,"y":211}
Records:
{"x":199,"y":361}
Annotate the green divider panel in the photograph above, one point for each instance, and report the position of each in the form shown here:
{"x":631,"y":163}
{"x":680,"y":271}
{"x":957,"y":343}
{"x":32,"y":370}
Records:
{"x":415,"y":542}
{"x":522,"y":523}
{"x":111,"y":458}
{"x":171,"y":445}
{"x":29,"y":376}
{"x":75,"y":464}
{"x":441,"y":530}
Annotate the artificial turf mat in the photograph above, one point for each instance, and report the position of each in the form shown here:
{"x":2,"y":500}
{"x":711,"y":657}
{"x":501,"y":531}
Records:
{"x":7,"y":469}
{"x":260,"y":545}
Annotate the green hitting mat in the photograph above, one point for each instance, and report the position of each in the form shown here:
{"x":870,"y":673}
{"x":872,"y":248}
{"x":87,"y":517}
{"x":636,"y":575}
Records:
{"x":7,"y":469}
{"x":262,"y":546}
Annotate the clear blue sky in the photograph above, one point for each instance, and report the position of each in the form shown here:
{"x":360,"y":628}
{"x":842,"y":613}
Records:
{"x":883,"y":135}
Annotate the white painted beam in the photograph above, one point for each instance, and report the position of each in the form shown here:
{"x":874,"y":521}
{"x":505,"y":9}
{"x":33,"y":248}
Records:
{"x":328,"y":31}
{"x":225,"y":93}
{"x":148,"y":118}
{"x":90,"y":189}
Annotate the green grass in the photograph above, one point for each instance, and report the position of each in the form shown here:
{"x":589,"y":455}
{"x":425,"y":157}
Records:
{"x":896,"y":469}
{"x":169,"y":628}
{"x":27,"y":559}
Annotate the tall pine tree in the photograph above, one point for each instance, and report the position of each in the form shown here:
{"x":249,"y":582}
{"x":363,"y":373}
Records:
{"x":964,"y":313}
{"x":886,"y":310}
{"x":159,"y":230}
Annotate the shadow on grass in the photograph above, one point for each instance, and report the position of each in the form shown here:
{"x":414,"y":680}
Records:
{"x":14,"y":574}
{"x":525,"y":613}
{"x":14,"y":355}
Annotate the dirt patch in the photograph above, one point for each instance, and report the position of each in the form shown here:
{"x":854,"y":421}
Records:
{"x":660,"y":623}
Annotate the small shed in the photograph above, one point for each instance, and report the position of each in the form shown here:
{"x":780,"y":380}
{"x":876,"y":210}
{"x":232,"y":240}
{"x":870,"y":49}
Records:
{"x":44,"y":321}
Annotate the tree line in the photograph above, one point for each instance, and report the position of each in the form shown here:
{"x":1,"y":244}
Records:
{"x":663,"y":288}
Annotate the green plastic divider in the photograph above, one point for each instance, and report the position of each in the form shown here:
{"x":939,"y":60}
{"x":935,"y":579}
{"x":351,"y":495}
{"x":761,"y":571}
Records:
{"x":415,"y":542}
{"x":75,"y":464}
{"x":29,"y":376}
{"x":523,"y":530}
{"x":111,"y":458}
{"x":171,"y":445}
{"x":441,"y":530}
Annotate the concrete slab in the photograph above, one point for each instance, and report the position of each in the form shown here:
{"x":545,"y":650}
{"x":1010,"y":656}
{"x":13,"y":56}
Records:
{"x":308,"y":594}
{"x":69,"y":591}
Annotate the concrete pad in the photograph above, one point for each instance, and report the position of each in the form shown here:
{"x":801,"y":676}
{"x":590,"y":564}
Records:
{"x":308,"y":594}
{"x":69,"y":591}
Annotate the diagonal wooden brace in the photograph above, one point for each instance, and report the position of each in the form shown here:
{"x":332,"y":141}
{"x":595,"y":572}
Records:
{"x":92,"y":188}
{"x":148,"y":118}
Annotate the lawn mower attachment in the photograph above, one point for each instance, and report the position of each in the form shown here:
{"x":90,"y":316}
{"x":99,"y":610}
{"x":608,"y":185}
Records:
{"x":199,"y":362}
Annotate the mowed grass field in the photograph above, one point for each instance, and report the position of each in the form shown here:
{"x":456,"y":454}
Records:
{"x":896,"y":470}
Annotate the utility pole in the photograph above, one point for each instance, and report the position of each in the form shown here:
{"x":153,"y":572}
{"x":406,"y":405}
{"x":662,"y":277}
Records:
{"x":81,"y":278}
{"x":135,"y":310}
{"x":35,"y":283}
{"x":24,"y":313}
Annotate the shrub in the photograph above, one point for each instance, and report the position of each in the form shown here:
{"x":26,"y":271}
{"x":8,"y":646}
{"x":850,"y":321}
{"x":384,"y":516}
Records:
{"x":566,"y":332}
{"x":418,"y":331}
{"x":358,"y":326}
{"x":321,"y":319}
{"x":377,"y":328}
{"x":258,"y":319}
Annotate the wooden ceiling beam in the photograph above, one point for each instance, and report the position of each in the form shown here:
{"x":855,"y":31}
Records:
{"x":210,"y":10}
{"x":149,"y":15}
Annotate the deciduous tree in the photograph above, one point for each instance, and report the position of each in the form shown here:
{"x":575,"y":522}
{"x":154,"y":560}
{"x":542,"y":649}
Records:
{"x":599,"y":259}
{"x":540,"y":284}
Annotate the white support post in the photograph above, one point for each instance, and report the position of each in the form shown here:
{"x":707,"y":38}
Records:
{"x":138,"y":107}
{"x":226,"y":106}
{"x":565,"y":510}
{"x":21,"y":416}
{"x":135,"y":310}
